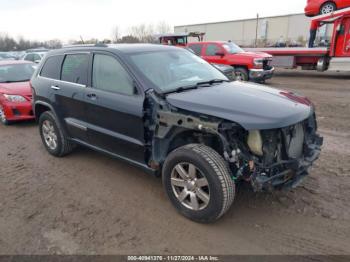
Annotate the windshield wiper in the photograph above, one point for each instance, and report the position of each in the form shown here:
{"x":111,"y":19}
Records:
{"x":185,"y":88}
{"x":211,"y":82}
{"x":181,"y":88}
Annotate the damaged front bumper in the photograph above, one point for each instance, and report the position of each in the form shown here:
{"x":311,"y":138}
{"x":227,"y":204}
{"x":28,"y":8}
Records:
{"x":259,"y":75}
{"x":290,"y":172}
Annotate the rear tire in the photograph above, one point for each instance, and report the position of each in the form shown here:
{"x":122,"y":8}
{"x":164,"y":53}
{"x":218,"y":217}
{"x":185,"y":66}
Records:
{"x":198,"y":182}
{"x":327,"y":8}
{"x":53,"y":137}
{"x":241,"y":74}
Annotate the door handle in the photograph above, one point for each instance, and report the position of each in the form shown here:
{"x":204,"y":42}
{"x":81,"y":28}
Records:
{"x":55,"y":88}
{"x":92,"y":96}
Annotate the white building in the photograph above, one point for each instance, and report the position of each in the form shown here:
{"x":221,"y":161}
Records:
{"x":269,"y":30}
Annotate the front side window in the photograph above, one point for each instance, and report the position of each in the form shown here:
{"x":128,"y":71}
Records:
{"x":109,"y":75}
{"x":75,"y":69}
{"x":16,"y":73}
{"x":52,"y":67}
{"x":232,"y":48}
{"x":169,"y":70}
{"x":212,"y":49}
{"x":196,"y":48}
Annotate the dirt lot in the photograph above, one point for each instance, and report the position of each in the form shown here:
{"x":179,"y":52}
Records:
{"x":88,"y":203}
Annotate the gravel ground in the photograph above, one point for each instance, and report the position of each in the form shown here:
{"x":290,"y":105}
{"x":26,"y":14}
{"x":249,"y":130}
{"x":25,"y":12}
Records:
{"x":88,"y":203}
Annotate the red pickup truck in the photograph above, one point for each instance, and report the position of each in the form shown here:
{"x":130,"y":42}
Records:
{"x":254,"y":66}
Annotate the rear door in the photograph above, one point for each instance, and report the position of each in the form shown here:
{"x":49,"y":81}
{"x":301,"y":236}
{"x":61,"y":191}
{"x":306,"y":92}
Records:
{"x":69,"y":93}
{"x":115,"y":109}
{"x":210,"y":53}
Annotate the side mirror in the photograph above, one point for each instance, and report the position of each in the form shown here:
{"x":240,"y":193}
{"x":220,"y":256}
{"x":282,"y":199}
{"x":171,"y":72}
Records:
{"x":37,"y":61}
{"x":220,"y":53}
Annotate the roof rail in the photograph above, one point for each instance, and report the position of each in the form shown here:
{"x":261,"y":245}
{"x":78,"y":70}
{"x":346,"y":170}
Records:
{"x":86,"y":45}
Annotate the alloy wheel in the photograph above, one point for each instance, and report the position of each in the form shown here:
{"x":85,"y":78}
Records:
{"x":190,"y":186}
{"x":327,"y":8}
{"x":239,"y":76}
{"x":2,"y":115}
{"x":49,"y":134}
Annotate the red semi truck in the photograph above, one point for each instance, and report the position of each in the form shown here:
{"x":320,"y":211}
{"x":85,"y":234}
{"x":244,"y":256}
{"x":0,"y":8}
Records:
{"x":336,"y":57}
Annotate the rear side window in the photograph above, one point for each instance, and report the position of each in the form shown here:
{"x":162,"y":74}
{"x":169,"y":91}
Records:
{"x":52,"y":67}
{"x":109,"y":75}
{"x":212,"y":49}
{"x":197,"y":49}
{"x":75,"y":69}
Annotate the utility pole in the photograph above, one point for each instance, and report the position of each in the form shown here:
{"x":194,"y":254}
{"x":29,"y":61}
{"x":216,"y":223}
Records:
{"x":256,"y":31}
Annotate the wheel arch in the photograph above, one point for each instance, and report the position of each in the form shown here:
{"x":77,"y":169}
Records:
{"x":40,"y":107}
{"x":327,"y":2}
{"x":192,"y":136}
{"x":179,"y":137}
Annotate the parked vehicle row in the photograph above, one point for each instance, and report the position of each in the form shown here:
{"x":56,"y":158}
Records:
{"x":168,"y":111}
{"x":32,"y":55}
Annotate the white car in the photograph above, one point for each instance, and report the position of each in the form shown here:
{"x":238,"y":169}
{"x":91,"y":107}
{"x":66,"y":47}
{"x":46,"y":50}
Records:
{"x":34,"y":56}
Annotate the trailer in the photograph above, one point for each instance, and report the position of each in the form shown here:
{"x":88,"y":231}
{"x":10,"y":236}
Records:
{"x":336,"y":57}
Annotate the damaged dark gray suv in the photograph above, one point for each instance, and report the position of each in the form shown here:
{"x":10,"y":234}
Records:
{"x":171,"y":113}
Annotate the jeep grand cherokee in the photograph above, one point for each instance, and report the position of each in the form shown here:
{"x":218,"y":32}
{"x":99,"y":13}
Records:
{"x":171,"y":113}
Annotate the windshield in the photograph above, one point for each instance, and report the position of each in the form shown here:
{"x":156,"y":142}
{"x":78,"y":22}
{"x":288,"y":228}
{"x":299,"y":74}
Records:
{"x":16,"y":73}
{"x":175,"y":69}
{"x":232,"y":48}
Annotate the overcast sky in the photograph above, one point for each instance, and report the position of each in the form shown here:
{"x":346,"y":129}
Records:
{"x":68,"y":19}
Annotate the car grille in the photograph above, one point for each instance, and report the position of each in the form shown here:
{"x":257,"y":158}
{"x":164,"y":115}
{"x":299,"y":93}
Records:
{"x":267,"y":64}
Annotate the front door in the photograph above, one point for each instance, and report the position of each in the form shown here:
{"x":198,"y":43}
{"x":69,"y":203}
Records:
{"x":211,"y":53}
{"x":342,"y":48}
{"x":115,"y":109}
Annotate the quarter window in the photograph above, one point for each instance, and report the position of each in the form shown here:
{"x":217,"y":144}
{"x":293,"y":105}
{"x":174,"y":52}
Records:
{"x":212,"y":49}
{"x":197,"y":49}
{"x":109,"y":75}
{"x":52,"y":67}
{"x":75,"y":69}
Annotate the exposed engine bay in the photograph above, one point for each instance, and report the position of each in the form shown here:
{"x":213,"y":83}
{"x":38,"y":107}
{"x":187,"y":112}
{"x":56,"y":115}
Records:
{"x":268,"y":159}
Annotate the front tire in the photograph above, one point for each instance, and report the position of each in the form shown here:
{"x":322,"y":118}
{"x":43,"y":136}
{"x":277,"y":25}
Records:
{"x":241,"y":74}
{"x":3,"y":119}
{"x":198,"y":182}
{"x":53,"y":137}
{"x":327,"y":8}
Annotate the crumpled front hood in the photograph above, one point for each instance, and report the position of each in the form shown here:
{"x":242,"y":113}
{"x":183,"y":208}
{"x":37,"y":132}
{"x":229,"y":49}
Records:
{"x":254,"y":107}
